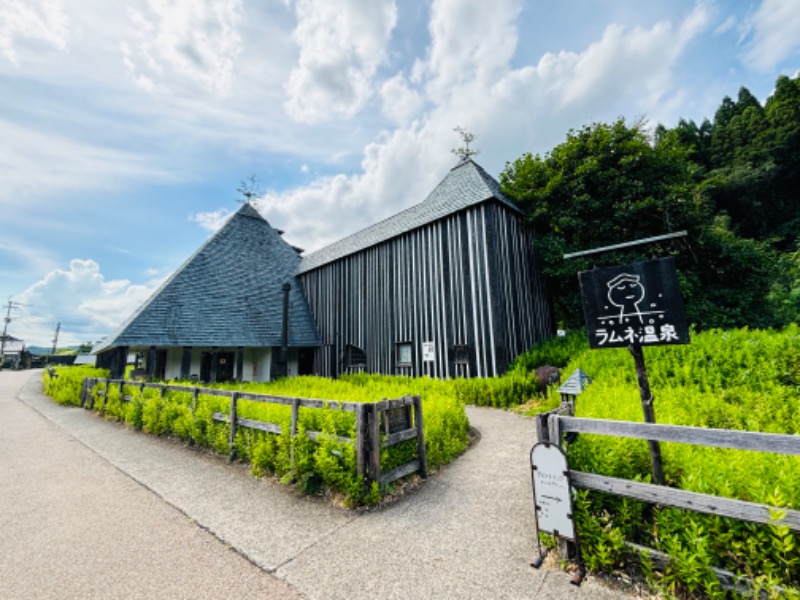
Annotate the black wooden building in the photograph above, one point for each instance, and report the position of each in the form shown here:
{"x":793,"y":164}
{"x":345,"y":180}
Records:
{"x":449,"y":287}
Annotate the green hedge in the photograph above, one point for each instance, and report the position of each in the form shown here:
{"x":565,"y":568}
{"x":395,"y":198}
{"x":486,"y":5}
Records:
{"x":312,"y":466}
{"x":329,"y":463}
{"x":63,"y":384}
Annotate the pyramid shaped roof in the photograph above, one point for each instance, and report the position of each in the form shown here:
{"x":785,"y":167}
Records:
{"x":467,"y":184}
{"x":228,"y":293}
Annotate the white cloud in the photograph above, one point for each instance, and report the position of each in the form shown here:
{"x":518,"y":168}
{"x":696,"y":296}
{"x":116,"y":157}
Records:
{"x":211,"y":221}
{"x":34,"y":161}
{"x":33,"y":257}
{"x":467,"y":79}
{"x":86,"y":304}
{"x":397,"y":172}
{"x":472,"y":43}
{"x":43,"y":22}
{"x":623,"y":61}
{"x":341,"y":46}
{"x":400,"y":103}
{"x":775,"y":27}
{"x":184,"y":40}
{"x":726,"y":25}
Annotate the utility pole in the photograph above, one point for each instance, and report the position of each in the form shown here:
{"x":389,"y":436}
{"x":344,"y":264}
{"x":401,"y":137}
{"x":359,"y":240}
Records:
{"x":55,"y":339}
{"x":11,"y":305}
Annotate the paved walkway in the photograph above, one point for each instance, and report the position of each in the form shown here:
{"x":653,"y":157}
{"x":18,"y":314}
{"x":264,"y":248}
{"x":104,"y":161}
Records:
{"x":89,"y":508}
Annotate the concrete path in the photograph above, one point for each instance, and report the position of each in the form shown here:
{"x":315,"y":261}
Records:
{"x":89,"y":508}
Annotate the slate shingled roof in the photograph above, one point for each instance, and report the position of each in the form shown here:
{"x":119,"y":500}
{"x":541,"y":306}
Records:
{"x":229,"y":293}
{"x":467,"y":184}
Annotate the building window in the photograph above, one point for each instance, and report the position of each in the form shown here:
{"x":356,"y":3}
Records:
{"x":355,"y":359}
{"x":404,"y":354}
{"x":461,"y":354}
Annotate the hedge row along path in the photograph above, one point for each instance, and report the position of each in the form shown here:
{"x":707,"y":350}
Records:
{"x":93,"y":509}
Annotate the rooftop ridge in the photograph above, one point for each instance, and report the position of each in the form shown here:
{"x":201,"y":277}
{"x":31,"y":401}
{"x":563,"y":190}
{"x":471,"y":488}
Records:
{"x":466,"y":184}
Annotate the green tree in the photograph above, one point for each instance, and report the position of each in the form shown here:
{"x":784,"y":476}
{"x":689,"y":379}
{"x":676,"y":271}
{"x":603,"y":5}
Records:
{"x":687,"y":137}
{"x":754,"y":173}
{"x":607,"y":183}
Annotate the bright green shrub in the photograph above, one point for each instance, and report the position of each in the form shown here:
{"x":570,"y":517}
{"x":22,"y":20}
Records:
{"x":556,"y":352}
{"x":65,"y":386}
{"x":151,"y":413}
{"x":740,"y":379}
{"x":327,"y":462}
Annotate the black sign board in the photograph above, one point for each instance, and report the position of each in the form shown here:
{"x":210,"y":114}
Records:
{"x":397,"y":419}
{"x":638,"y":304}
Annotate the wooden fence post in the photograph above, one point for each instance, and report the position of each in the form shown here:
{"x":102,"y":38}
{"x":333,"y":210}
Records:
{"x":368,"y":443}
{"x":360,"y":441}
{"x":195,"y":394}
{"x":293,"y":427}
{"x":232,"y":440}
{"x":105,"y":398}
{"x":295,"y":415}
{"x":91,"y":395}
{"x":375,"y":443}
{"x":421,"y":452}
{"x":554,"y":431}
{"x":542,"y":432}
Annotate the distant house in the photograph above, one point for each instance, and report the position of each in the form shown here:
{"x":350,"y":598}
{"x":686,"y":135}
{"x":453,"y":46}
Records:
{"x":12,"y":350}
{"x":85,"y":359}
{"x":449,"y":287}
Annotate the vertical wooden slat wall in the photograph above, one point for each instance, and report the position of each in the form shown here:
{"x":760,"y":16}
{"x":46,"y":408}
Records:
{"x":469,"y":279}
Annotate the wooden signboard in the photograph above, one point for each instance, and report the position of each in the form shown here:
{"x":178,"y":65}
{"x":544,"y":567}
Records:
{"x":551,"y":491}
{"x":397,"y":419}
{"x":634,"y":305}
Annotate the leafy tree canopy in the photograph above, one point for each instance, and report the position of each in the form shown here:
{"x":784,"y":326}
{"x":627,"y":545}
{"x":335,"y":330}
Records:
{"x":610,"y":183}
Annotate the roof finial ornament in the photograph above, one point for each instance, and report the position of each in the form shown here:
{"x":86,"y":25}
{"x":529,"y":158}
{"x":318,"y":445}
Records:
{"x":249,"y":190}
{"x":465,"y":152}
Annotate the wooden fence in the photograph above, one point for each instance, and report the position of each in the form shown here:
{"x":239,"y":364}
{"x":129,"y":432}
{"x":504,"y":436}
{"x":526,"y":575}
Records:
{"x":378,"y":425}
{"x":553,"y":425}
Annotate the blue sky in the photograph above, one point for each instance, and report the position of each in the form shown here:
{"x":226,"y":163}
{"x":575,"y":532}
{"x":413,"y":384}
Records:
{"x":127,"y":127}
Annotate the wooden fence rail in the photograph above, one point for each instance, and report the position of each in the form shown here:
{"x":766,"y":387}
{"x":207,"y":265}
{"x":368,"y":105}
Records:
{"x":658,"y":494}
{"x":553,"y":425}
{"x":378,"y":425}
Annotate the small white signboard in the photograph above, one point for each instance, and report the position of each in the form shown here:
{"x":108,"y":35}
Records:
{"x":428,"y":352}
{"x":551,"y":492}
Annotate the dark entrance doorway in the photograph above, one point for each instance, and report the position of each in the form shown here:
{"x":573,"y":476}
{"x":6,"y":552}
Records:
{"x":305,"y":360}
{"x":217,"y":366}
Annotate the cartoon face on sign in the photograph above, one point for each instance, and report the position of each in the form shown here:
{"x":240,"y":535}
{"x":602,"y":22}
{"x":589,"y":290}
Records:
{"x":626,"y":292}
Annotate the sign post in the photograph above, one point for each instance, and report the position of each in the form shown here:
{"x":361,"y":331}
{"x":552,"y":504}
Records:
{"x":633,"y":306}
